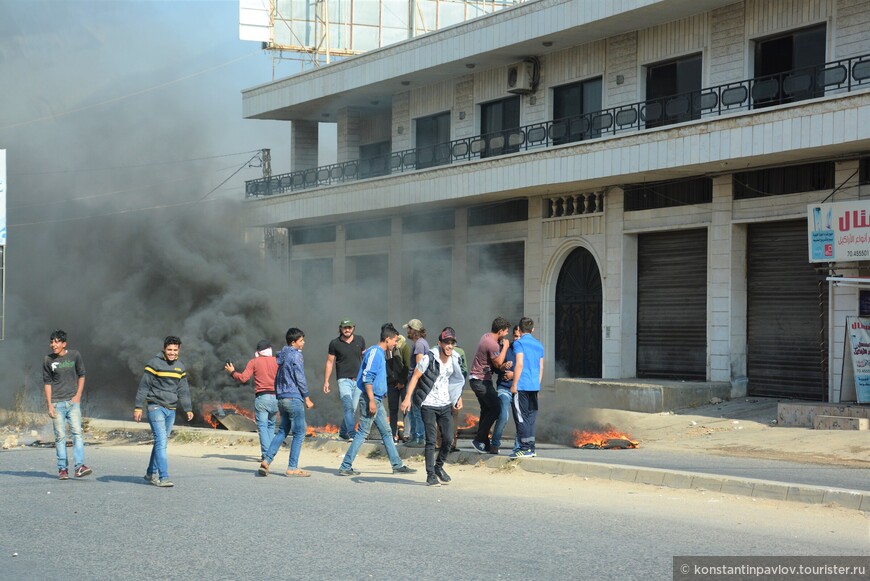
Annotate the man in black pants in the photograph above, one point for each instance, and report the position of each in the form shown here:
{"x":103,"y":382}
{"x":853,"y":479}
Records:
{"x":436,"y":386}
{"x":490,"y":355}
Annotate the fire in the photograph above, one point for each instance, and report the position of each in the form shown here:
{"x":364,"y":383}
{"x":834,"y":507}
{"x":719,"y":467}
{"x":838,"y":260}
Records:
{"x":587,"y":439}
{"x":470,"y":422}
{"x":312,"y":431}
{"x":222,"y":409}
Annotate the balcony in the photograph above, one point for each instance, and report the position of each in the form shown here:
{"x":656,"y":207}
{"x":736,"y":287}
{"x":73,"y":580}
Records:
{"x":840,"y":76}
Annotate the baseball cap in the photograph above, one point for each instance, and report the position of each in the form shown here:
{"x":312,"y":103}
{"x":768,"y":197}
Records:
{"x":347,"y":323}
{"x":448,"y":334}
{"x":263,"y":344}
{"x":415,"y":324}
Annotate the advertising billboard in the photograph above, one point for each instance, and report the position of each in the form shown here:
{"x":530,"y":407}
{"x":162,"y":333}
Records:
{"x":839,"y":231}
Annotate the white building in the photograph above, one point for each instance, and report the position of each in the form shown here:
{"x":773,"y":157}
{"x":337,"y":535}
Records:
{"x":632,"y":175}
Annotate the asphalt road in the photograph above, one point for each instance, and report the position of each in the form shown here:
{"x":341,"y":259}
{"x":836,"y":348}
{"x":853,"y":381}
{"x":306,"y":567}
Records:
{"x":223,"y":522}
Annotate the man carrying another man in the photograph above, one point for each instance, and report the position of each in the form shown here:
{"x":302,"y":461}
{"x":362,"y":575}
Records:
{"x":490,"y":355}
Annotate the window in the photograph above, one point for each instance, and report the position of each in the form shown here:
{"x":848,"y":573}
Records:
{"x":668,"y":194}
{"x":572,"y":105}
{"x":429,"y":222}
{"x":499,"y":213}
{"x":370,"y":229}
{"x":498,"y":120}
{"x":864,"y":171}
{"x":313,"y":235}
{"x":785,"y":67}
{"x":374,"y":159}
{"x":810,"y":177}
{"x":433,"y":140}
{"x":670,"y":89}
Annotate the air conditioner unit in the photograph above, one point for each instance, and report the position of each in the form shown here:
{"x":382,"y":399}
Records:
{"x":519,"y":78}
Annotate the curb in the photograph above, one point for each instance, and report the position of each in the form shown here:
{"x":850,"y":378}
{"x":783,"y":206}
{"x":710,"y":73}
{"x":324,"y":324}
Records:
{"x":750,"y":487}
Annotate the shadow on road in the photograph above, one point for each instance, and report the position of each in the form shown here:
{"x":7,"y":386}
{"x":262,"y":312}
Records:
{"x":236,"y":457}
{"x":29,"y":474}
{"x":121,"y":478}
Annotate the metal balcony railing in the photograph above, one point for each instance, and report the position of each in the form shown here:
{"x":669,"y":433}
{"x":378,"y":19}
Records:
{"x":830,"y":78}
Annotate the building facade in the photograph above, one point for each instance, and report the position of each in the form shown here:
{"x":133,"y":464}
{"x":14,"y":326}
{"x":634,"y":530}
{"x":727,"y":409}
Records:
{"x":632,"y":175}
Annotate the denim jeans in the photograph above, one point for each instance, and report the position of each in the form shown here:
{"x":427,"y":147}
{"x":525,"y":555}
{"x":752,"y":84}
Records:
{"x":67,"y":411}
{"x":265,"y":411}
{"x":365,"y":425}
{"x":418,"y":428}
{"x":161,"y":420}
{"x":437,"y":419}
{"x":292,"y":412}
{"x":504,"y":396}
{"x":349,"y":394}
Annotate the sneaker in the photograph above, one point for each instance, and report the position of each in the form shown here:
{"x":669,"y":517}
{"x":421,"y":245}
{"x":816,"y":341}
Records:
{"x":493,"y":450}
{"x":442,"y":476}
{"x":165,"y":483}
{"x":348,"y":472}
{"x":63,"y":474}
{"x":151,"y":478}
{"x":83,"y":471}
{"x":431,"y":480}
{"x":523,"y":454}
{"x":416,"y":444}
{"x":404,"y":470}
{"x":479,"y":446}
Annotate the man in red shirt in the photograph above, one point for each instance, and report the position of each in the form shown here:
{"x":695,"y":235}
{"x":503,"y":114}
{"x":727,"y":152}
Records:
{"x":263,"y":367}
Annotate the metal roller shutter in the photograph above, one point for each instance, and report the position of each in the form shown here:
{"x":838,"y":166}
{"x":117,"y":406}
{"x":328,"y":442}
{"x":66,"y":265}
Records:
{"x":672,"y":305}
{"x":785,"y":347}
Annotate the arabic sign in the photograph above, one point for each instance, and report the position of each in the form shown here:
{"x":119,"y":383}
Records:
{"x":858,"y":350}
{"x":2,"y":197}
{"x":839,"y":231}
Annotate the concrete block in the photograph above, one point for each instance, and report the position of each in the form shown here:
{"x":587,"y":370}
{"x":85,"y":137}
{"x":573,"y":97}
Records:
{"x":802,"y":415}
{"x":654,"y":477}
{"x":542,"y":465}
{"x":844,"y":498}
{"x":770,"y":490}
{"x":806,"y":494}
{"x":710,"y":483}
{"x":602,"y":471}
{"x":840,"y":423}
{"x":677,"y":480}
{"x":623,"y":474}
{"x":642,"y":396}
{"x":739,"y":487}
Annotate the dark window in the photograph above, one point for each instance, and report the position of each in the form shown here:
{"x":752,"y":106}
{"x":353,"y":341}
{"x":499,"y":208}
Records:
{"x":374,"y":159}
{"x":776,"y":181}
{"x":500,"y":213}
{"x":864,"y":171}
{"x":572,"y":105}
{"x":668,"y":194}
{"x":787,"y":67}
{"x":429,"y":222}
{"x":498,"y":122}
{"x":670,"y":89}
{"x":370,"y":229}
{"x":313,"y":235}
{"x":433,"y":140}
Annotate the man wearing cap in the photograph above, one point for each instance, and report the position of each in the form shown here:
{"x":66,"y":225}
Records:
{"x":345,"y":354}
{"x":419,"y":348}
{"x":436,"y":386}
{"x":263,"y":367}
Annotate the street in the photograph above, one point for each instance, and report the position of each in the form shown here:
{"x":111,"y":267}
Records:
{"x":223,"y":522}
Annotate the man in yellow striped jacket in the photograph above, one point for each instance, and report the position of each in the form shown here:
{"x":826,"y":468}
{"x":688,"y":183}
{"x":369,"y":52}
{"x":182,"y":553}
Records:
{"x":162,"y":387}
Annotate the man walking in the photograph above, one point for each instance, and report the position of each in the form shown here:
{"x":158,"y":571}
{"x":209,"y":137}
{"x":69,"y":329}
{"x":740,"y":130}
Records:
{"x":436,"y":386}
{"x":63,"y":376}
{"x":419,"y":347}
{"x":162,"y":387}
{"x":263,"y":367}
{"x":345,"y":354}
{"x":490,"y":355}
{"x":372,"y":382}
{"x":528,"y":375}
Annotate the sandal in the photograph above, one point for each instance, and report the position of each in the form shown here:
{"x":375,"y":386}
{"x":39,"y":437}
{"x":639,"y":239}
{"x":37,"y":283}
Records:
{"x":299,"y":473}
{"x":263,"y":470}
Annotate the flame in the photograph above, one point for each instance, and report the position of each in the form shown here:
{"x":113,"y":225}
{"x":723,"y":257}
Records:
{"x":599,"y":439}
{"x":311,"y":431}
{"x":212,"y":407}
{"x":470,"y":422}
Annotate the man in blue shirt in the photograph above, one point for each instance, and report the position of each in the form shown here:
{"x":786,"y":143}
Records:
{"x":528,"y":374}
{"x":372,"y":382}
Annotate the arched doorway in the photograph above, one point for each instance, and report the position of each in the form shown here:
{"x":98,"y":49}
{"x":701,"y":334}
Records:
{"x":578,"y":317}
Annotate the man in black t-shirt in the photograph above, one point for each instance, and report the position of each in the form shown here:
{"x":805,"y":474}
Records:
{"x":345,"y":353}
{"x":63,"y":375}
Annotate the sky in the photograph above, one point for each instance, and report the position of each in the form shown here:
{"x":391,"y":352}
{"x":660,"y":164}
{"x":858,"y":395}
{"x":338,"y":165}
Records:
{"x":126,"y":160}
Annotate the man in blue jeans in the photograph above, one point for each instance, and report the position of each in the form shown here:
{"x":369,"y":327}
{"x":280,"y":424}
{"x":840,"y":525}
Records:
{"x":63,"y":376}
{"x":503,"y":385}
{"x":372,"y":382}
{"x":162,"y":387}
{"x":345,"y":354}
{"x":291,"y":389}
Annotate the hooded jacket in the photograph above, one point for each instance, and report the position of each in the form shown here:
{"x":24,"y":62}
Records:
{"x":430,"y":365}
